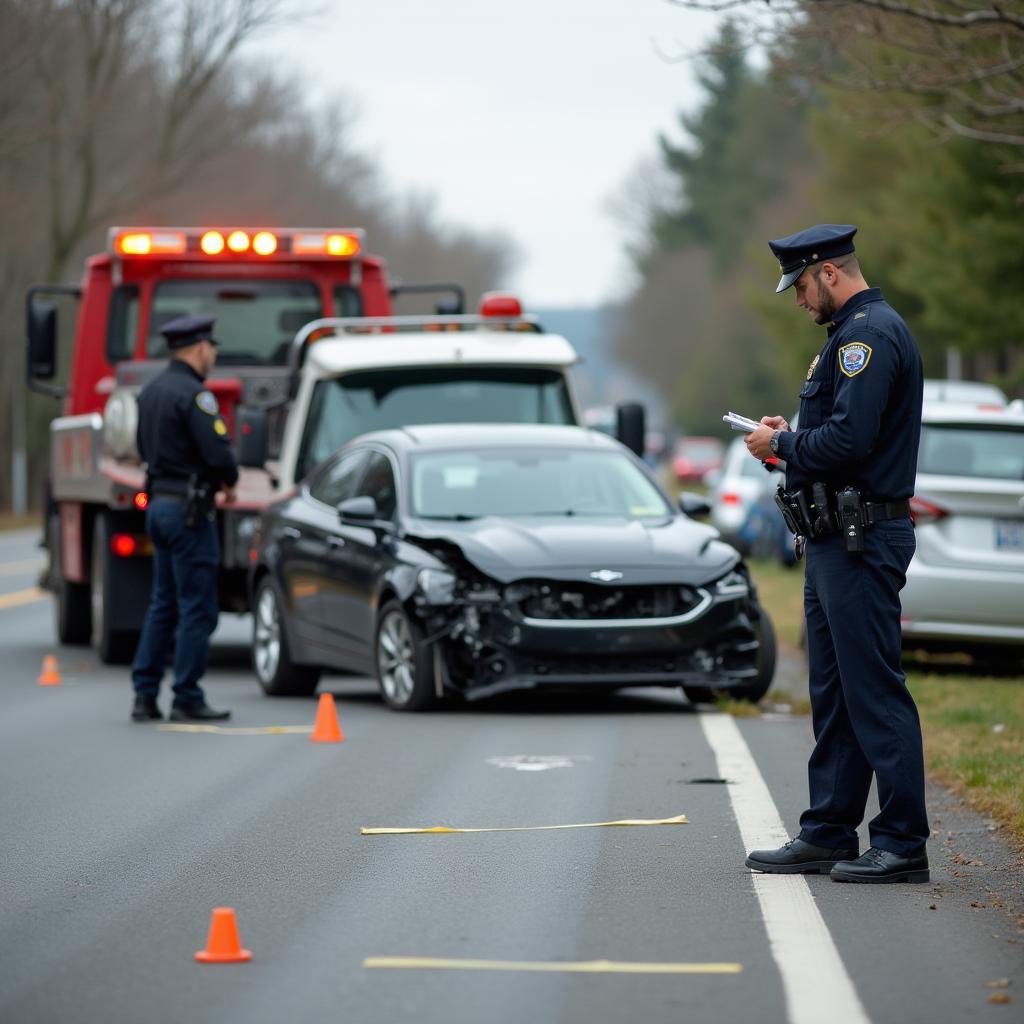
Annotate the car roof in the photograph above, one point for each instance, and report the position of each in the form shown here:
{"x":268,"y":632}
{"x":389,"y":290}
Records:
{"x":490,"y":435}
{"x":347,"y":353}
{"x":968,"y":413}
{"x":957,"y":391}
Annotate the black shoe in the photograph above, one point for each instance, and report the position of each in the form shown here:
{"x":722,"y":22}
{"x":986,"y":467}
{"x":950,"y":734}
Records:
{"x":145,"y":710}
{"x":197,"y":713}
{"x":882,"y":866}
{"x":796,"y":857}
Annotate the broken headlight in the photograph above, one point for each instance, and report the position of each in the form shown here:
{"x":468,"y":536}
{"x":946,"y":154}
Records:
{"x":732,"y":585}
{"x":436,"y":586}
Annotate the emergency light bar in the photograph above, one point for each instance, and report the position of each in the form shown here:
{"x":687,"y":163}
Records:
{"x":237,"y":243}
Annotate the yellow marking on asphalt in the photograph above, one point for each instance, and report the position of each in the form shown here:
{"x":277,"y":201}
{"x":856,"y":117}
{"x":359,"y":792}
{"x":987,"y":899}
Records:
{"x":570,"y":967}
{"x":28,"y":565}
{"x":231,"y":730}
{"x":20,"y":597}
{"x":680,"y":819}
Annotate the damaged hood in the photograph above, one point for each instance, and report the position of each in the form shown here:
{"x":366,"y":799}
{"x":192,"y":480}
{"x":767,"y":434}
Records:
{"x":675,"y":550}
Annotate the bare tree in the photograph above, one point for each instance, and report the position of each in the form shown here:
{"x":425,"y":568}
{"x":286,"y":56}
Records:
{"x":955,"y":66}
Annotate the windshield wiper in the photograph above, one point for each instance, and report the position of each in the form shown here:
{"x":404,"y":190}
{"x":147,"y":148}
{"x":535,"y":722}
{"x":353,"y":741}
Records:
{"x":457,"y":518}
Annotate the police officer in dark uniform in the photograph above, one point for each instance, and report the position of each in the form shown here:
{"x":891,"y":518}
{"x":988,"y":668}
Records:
{"x":184,"y":442}
{"x":850,"y":469}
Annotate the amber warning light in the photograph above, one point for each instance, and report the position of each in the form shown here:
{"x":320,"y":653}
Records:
{"x":238,"y":243}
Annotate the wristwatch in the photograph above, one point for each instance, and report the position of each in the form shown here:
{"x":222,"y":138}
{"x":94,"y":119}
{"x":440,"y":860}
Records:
{"x":774,"y":442}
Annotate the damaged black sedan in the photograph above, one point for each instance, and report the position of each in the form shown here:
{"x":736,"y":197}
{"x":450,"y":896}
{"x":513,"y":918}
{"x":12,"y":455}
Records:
{"x":470,"y":560}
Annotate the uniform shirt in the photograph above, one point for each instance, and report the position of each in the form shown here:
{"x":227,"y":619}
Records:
{"x":860,"y":409}
{"x":181,"y":432}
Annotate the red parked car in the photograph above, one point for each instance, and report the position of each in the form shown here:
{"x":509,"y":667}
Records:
{"x":694,"y":456}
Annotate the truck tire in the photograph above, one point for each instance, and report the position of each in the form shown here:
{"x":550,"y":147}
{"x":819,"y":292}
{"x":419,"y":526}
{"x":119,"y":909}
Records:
{"x":72,"y":605}
{"x":277,"y":674}
{"x":114,"y":646}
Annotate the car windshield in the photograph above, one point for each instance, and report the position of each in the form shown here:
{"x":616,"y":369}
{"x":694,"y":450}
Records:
{"x":532,"y":482}
{"x":992,"y":451}
{"x":344,"y":407}
{"x":256,"y":320}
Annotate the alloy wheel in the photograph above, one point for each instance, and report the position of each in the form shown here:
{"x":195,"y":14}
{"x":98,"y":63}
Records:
{"x":267,"y":636}
{"x":396,"y":658}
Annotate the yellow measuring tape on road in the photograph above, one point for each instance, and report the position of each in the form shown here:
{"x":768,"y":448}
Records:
{"x":444,"y":830}
{"x":579,"y":967}
{"x":227,"y":730}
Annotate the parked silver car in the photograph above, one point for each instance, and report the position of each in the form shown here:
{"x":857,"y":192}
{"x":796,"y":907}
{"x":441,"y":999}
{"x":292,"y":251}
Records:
{"x":734,"y":490}
{"x":965,"y":586}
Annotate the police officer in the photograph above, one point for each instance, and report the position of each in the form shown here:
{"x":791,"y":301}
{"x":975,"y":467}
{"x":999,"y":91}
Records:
{"x":859,"y":427}
{"x":184,"y":442}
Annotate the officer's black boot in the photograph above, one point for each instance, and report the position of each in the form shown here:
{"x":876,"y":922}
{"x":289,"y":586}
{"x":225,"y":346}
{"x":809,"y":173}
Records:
{"x":146,"y":710}
{"x":200,"y":712}
{"x":798,"y":857}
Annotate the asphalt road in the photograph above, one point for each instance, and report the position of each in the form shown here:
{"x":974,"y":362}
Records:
{"x":118,"y":839}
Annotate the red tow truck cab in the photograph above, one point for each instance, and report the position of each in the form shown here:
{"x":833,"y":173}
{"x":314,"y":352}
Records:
{"x":262,"y":284}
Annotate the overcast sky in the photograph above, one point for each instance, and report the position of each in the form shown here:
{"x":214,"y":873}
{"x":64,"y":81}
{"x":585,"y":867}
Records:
{"x":524,"y":116}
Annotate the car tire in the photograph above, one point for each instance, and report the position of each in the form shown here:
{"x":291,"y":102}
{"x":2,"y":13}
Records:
{"x":700,"y":694}
{"x":276,"y":673}
{"x":766,"y":658}
{"x":114,"y":646}
{"x":405,"y":666}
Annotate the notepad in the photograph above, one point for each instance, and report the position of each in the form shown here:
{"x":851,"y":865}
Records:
{"x":738,"y":422}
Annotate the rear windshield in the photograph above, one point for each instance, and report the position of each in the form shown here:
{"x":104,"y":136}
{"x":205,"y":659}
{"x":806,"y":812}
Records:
{"x":256,"y":320}
{"x":344,"y":407}
{"x":995,"y":452}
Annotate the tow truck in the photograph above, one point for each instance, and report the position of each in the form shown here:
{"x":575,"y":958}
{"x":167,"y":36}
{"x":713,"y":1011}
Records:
{"x":310,"y":355}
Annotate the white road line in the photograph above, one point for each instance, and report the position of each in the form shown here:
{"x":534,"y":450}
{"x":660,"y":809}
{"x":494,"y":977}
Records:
{"x":814,"y":978}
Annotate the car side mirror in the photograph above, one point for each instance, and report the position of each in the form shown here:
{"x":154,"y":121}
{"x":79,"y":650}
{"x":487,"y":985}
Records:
{"x":694,"y":505}
{"x":253,"y":436}
{"x":361,"y":509}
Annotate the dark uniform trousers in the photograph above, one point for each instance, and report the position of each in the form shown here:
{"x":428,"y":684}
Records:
{"x":865,"y":720}
{"x":183,"y":605}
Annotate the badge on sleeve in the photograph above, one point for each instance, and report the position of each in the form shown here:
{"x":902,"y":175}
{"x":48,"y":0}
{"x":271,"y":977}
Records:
{"x":854,"y":357}
{"x":219,"y":427}
{"x":207,"y":403}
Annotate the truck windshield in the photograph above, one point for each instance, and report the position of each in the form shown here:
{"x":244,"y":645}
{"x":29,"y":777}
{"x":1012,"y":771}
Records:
{"x":345,"y":407}
{"x":256,"y":319}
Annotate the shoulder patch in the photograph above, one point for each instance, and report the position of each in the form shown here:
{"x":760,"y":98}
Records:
{"x":219,"y":427}
{"x":207,"y":403}
{"x":854,"y":357}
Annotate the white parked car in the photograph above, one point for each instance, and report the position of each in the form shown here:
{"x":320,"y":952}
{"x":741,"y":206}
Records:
{"x":965,"y":586}
{"x":734,"y":492}
{"x":966,"y":392}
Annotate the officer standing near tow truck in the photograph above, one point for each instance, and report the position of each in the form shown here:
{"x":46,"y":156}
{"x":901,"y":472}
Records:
{"x":850,"y":470}
{"x":184,"y":443}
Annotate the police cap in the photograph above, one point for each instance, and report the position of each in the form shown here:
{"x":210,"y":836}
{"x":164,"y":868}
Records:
{"x":822,"y":242}
{"x":183,"y":331}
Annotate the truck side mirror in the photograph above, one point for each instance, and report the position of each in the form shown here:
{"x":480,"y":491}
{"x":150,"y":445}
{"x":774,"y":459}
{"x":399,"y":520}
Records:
{"x":630,"y":426}
{"x":42,"y":340}
{"x":253,"y":436}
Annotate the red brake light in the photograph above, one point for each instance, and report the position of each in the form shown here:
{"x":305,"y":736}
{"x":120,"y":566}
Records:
{"x":124,"y":545}
{"x":729,"y":498}
{"x":500,"y":304}
{"x":923,"y":512}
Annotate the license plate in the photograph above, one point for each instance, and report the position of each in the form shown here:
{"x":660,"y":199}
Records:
{"x":1009,"y":534}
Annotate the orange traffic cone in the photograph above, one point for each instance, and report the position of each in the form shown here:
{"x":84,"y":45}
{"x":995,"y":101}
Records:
{"x":326,"y":729}
{"x":223,"y":945}
{"x":49,"y":676}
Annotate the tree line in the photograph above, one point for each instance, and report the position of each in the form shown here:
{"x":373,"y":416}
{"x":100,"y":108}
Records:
{"x":905,"y":117}
{"x":154,"y":112}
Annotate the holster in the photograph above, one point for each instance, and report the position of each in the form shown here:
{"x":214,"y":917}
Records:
{"x":199,"y":500}
{"x":788,"y":513}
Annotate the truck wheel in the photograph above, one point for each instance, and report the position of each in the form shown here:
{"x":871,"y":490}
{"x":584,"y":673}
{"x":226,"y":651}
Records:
{"x":761,"y":683}
{"x":72,"y":607}
{"x":114,"y":647}
{"x":405,"y":668}
{"x":278,"y":675}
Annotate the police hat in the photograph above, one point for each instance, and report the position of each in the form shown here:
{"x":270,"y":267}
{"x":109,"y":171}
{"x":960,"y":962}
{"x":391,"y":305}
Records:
{"x":822,"y":242}
{"x":183,"y":331}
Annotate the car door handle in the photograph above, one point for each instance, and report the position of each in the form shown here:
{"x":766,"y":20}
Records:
{"x":290,"y":533}
{"x":335,"y":542}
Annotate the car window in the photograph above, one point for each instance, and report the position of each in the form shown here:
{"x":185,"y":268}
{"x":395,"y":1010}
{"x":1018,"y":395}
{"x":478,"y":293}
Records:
{"x":992,"y":451}
{"x":379,"y":483}
{"x":337,"y":481}
{"x":533,"y":482}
